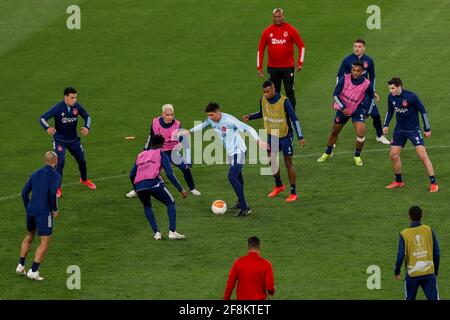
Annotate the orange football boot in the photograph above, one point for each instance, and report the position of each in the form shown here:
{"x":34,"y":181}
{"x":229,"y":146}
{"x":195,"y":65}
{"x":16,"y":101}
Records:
{"x":291,"y":198}
{"x":276,"y":190}
{"x":89,"y":184}
{"x":434,"y":187}
{"x":395,"y":184}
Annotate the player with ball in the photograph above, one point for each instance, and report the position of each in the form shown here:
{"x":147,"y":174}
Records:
{"x":227,"y":128}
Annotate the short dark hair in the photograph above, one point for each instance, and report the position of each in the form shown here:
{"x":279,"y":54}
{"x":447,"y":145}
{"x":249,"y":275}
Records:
{"x":358,"y":63}
{"x":156,"y":141}
{"x":253,"y":242}
{"x":267,"y":83}
{"x":69,"y":90}
{"x":360,"y":40}
{"x":415,"y":213}
{"x":396,"y":82}
{"x":212,"y":107}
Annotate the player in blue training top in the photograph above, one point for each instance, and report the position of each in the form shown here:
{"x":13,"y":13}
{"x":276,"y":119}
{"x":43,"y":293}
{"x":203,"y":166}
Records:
{"x":40,"y":211}
{"x":359,"y":47}
{"x":65,"y":114}
{"x":227,"y":128}
{"x":406,"y":105}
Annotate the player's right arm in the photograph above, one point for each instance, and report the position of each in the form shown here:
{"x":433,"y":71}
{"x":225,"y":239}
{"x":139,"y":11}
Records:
{"x":26,"y":192}
{"x":337,"y":92}
{"x":133,"y":173}
{"x":43,"y":121}
{"x":389,"y":114}
{"x":341,"y":71}
{"x":231,"y":283}
{"x":400,"y":257}
{"x":260,"y":54}
{"x":165,"y":161}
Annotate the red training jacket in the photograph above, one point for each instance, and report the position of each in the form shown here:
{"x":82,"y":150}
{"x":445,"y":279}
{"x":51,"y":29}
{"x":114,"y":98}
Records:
{"x":254,"y":276}
{"x":280,"y":42}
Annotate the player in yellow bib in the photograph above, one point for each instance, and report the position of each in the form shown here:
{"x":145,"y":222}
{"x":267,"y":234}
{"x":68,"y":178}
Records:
{"x":279,"y":117}
{"x":419,"y":247}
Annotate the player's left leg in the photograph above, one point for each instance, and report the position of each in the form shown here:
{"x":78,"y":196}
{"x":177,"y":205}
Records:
{"x":376,"y":120}
{"x":41,"y":251}
{"x":144,"y":197}
{"x":289,"y":87}
{"x":286,"y":145}
{"x":274,"y":143}
{"x":422,"y":153}
{"x":236,"y":166}
{"x":24,"y":249}
{"x":394,"y":155}
{"x":292,"y":178}
{"x":76,"y":149}
{"x":60,"y":149}
{"x":163,"y":195}
{"x":360,"y":130}
{"x":275,"y":75}
{"x":339,"y":122}
{"x":430,"y":289}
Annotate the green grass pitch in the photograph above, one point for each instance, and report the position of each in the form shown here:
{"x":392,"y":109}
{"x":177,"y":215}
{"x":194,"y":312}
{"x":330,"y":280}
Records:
{"x":131,"y":57}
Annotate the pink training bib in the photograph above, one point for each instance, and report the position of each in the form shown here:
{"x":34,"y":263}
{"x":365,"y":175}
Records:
{"x":352,"y":95}
{"x":170,"y":142}
{"x":148,"y":165}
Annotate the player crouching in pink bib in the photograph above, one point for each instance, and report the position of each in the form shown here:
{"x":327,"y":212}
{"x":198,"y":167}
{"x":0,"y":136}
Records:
{"x":147,"y":183}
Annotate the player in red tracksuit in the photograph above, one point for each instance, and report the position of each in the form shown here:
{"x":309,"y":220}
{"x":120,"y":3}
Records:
{"x":279,"y":38}
{"x":253,"y":274}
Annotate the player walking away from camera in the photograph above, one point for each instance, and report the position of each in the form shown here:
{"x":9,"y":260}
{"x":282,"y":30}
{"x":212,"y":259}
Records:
{"x":279,"y":38}
{"x":279,"y":118}
{"x":65,"y":114}
{"x":227,"y":128}
{"x":167,"y":126}
{"x":419,"y":246}
{"x":359,"y":47}
{"x":147,"y":183}
{"x":406,"y":105}
{"x":348,"y":102}
{"x":253,"y":274}
{"x":40,"y":211}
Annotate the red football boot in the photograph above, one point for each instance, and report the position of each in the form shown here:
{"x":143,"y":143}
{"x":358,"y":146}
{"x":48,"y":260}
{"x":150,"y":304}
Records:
{"x":291,"y":198}
{"x":89,"y":184}
{"x":395,"y":184}
{"x":434,"y":187}
{"x":276,"y":190}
